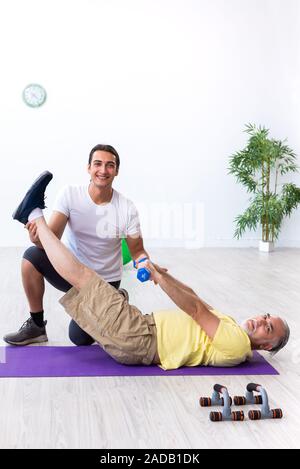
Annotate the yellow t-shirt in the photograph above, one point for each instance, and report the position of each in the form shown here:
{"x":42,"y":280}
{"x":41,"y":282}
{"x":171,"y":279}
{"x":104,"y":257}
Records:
{"x":182,"y":342}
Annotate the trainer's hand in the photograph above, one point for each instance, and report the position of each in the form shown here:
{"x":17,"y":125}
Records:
{"x":32,"y":230}
{"x":155,"y":270}
{"x":159,"y":269}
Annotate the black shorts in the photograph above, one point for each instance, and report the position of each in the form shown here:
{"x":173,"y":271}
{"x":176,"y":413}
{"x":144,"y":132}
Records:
{"x":38,"y":258}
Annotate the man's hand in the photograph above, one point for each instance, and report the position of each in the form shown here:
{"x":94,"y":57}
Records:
{"x":155,"y":270}
{"x":159,"y":269}
{"x":32,"y":230}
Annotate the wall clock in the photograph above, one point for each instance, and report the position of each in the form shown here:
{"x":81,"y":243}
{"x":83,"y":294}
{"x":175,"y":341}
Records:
{"x":34,"y":95}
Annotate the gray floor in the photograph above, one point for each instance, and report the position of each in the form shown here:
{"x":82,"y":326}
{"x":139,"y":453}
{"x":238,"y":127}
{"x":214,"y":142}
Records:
{"x":158,"y":412}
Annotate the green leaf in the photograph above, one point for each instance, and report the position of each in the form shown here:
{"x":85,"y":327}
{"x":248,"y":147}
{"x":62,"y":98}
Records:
{"x":256,"y":166}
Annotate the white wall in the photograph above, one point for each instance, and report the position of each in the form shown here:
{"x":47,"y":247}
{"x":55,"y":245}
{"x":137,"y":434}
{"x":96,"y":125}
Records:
{"x":169,"y":83}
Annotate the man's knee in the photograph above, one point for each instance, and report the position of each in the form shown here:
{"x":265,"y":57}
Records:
{"x":32,"y":258}
{"x":28,"y":269}
{"x":78,"y":336}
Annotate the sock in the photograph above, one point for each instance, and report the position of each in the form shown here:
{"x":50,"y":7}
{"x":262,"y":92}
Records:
{"x":36,"y":213}
{"x":38,"y":318}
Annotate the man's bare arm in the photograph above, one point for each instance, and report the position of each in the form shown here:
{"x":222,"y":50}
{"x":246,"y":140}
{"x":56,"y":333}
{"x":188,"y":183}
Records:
{"x":57,"y":223}
{"x":136,"y":247}
{"x":186,"y":300}
{"x":183,"y":286}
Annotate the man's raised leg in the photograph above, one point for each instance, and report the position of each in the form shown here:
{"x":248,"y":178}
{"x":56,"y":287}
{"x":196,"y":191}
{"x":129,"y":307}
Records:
{"x":61,"y":258}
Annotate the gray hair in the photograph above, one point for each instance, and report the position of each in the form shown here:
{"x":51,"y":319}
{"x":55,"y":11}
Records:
{"x":283,"y":340}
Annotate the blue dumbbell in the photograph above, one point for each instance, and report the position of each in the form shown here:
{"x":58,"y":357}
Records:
{"x":143,"y":274}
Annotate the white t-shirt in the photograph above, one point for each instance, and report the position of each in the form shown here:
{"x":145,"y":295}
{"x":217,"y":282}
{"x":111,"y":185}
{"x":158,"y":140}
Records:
{"x":94,"y":232}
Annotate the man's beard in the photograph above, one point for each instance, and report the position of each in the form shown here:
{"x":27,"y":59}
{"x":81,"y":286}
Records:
{"x":245,"y":326}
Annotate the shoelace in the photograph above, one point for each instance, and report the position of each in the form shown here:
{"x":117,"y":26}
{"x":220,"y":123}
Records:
{"x":26,"y":323}
{"x":42,"y":201}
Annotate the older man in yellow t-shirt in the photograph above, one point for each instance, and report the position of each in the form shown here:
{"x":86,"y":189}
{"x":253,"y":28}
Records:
{"x":197,"y":334}
{"x":182,"y":342}
{"x":194,"y":334}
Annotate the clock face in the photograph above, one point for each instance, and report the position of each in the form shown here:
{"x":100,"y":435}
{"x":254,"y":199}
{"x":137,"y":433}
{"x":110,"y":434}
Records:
{"x":34,"y":95}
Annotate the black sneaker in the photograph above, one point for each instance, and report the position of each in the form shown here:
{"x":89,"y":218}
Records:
{"x":29,"y":333}
{"x":124,"y":293}
{"x":34,"y":198}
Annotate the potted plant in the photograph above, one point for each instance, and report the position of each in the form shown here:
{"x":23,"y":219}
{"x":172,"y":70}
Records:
{"x":259,"y":167}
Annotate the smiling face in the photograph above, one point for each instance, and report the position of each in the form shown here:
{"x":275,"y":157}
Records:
{"x":102,"y":169}
{"x":264,"y":331}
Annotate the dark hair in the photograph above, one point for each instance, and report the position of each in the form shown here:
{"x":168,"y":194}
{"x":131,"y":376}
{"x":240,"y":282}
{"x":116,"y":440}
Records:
{"x":108,"y":148}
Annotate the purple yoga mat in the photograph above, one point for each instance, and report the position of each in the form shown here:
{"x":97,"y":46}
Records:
{"x":48,"y":361}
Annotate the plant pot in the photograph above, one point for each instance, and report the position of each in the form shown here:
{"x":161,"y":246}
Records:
{"x":266,"y":246}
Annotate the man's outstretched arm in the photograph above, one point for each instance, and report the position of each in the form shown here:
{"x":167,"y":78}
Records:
{"x":182,"y":285}
{"x":186,"y":299}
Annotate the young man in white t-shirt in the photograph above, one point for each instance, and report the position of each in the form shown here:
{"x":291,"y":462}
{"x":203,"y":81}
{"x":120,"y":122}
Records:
{"x":94,"y":218}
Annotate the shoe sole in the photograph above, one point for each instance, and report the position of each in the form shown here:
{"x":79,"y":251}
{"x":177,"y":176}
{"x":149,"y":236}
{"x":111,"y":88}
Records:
{"x":34,"y":186}
{"x":36,"y":340}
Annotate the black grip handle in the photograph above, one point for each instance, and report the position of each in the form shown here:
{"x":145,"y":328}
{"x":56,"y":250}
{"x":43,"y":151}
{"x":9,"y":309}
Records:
{"x":237,"y":415}
{"x":216,"y":416}
{"x":205,"y":401}
{"x":239,"y":400}
{"x":277,"y":414}
{"x":219,"y":387}
{"x":254,"y":414}
{"x":252,"y":387}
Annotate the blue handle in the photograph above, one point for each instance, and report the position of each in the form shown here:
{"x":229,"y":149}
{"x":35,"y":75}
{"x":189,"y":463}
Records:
{"x":141,"y":260}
